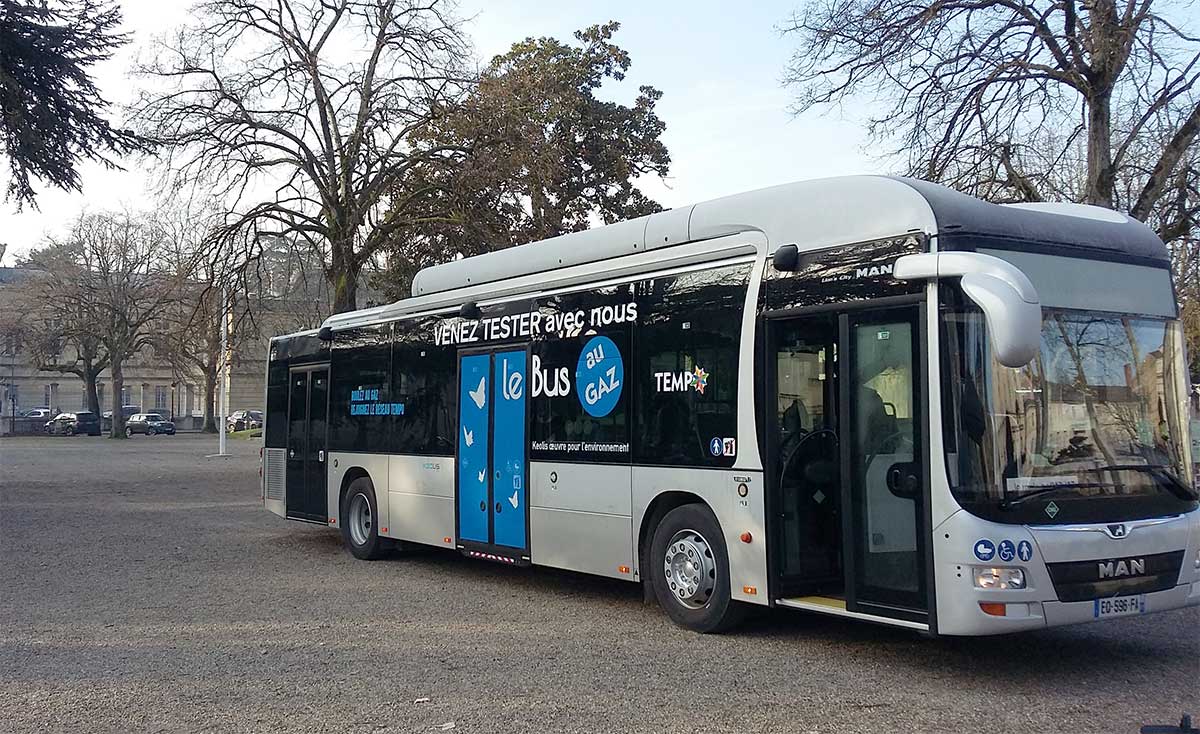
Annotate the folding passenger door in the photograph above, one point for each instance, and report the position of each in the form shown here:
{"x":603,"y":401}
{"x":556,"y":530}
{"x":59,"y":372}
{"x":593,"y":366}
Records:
{"x":492,"y":467}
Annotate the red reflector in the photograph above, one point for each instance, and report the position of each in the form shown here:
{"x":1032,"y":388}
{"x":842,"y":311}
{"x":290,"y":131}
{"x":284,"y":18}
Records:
{"x":992,"y":608}
{"x":622,"y":569}
{"x":333,"y":521}
{"x":385,"y":530}
{"x":446,"y":540}
{"x":747,"y":537}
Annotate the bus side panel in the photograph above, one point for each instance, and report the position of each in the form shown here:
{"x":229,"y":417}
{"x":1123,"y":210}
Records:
{"x":339,"y":464}
{"x":718,"y":488}
{"x":579,"y":517}
{"x":421,"y":499}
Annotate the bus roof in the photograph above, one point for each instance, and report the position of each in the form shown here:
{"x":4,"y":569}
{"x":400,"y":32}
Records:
{"x":813,"y":215}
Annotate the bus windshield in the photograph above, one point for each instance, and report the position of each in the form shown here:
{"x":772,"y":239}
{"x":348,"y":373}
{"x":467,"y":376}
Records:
{"x":1093,"y":429}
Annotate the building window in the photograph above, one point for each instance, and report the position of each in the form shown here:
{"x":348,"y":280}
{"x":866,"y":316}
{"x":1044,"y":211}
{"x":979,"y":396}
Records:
{"x":124,"y":396}
{"x":160,"y":397}
{"x":46,"y":397}
{"x":13,"y":397}
{"x":100,"y":397}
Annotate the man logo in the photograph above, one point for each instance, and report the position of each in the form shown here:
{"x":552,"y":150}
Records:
{"x":873,"y":271}
{"x":1117,"y":531}
{"x":1119,"y":569}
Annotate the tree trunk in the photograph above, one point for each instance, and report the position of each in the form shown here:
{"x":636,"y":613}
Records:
{"x":210,"y":398}
{"x":90,"y":373}
{"x":1099,"y":154}
{"x":343,"y":275}
{"x":118,"y":381}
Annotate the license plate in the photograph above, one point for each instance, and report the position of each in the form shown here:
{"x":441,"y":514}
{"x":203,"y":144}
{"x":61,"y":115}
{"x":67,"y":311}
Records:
{"x":1119,"y":606}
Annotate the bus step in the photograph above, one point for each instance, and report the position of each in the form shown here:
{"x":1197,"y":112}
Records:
{"x":495,"y":557}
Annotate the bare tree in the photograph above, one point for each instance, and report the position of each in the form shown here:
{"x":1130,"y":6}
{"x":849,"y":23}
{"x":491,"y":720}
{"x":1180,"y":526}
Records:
{"x":112,"y":266}
{"x":62,"y":334}
{"x":1019,"y":100}
{"x":308,"y":112}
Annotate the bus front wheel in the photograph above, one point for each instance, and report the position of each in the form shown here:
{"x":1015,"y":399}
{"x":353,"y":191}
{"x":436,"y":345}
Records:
{"x":689,"y":570}
{"x":360,"y":529}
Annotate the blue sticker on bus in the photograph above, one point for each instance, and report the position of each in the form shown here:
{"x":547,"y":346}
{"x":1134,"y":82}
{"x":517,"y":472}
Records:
{"x":714,"y":446}
{"x":508,"y":449}
{"x":599,"y":376}
{"x":985,"y":550}
{"x":1024,"y":550}
{"x":1007,"y":550}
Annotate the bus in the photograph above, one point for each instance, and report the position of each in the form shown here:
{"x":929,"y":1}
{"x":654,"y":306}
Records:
{"x":867,"y":396}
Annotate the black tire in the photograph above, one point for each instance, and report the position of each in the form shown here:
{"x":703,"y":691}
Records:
{"x":128,"y":432}
{"x":718,"y":612}
{"x":372,"y":546}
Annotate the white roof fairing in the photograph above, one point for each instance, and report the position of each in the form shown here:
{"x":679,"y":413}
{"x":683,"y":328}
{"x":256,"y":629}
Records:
{"x":812,"y":214}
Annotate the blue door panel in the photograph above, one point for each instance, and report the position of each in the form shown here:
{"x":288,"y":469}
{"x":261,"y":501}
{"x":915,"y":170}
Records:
{"x":508,"y":448}
{"x":473,"y":476}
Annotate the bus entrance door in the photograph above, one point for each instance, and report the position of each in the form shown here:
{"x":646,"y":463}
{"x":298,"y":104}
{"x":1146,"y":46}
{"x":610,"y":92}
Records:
{"x":848,"y":501}
{"x":492,"y":467}
{"x":805,"y":446}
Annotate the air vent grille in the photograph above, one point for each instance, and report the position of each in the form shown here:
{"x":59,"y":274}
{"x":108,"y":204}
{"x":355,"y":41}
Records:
{"x":275,"y":472}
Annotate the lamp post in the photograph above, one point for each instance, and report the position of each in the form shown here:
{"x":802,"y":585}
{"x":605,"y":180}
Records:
{"x":224,"y":392}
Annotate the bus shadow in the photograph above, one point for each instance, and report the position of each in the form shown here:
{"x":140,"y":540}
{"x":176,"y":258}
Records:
{"x":451,"y":563}
{"x":1081,"y":653}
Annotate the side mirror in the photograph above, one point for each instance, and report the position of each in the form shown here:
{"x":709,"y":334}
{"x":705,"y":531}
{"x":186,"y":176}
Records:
{"x":1008,"y":300}
{"x":786,"y":257}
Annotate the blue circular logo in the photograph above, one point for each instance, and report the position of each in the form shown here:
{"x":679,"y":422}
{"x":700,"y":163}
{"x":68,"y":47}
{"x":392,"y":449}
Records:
{"x":985,"y":549}
{"x":1024,"y":550}
{"x":1007,"y":551}
{"x":715,"y":447}
{"x":599,"y":376}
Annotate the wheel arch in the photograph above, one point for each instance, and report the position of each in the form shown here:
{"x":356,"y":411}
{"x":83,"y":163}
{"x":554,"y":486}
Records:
{"x":658,"y":508}
{"x":348,"y":477}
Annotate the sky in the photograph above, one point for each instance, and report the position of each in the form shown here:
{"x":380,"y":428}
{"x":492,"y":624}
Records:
{"x":718,"y":64}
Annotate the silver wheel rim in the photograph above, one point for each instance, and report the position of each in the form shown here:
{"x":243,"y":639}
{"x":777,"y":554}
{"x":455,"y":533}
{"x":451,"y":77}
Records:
{"x":360,"y":519}
{"x":128,"y":431}
{"x":690,"y":569}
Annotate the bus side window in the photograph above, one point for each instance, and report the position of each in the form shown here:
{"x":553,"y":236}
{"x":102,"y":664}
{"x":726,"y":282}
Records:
{"x":424,"y":392}
{"x":360,"y":376}
{"x":686,"y":355}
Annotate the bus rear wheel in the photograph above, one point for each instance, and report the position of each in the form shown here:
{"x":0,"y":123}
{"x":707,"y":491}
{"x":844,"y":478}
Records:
{"x":360,"y":529}
{"x":689,"y":570}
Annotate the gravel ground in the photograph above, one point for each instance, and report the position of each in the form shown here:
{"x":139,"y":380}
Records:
{"x":144,"y":588}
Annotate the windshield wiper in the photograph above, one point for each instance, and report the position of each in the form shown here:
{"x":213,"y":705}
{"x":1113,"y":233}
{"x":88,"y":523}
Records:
{"x":1008,"y":500}
{"x":1174,"y":484}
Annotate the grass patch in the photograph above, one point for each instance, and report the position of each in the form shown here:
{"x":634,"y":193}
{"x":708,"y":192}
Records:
{"x":252,"y":433}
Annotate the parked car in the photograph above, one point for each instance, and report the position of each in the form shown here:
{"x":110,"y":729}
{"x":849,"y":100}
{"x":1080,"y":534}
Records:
{"x":151,"y":424}
{"x":43,"y":413}
{"x":72,"y":424}
{"x":126,"y":410}
{"x":244,"y":420}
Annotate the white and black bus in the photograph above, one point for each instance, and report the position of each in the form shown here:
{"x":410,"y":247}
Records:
{"x":870,"y":397}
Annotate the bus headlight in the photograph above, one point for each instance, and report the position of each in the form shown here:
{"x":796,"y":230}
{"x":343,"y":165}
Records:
{"x":987,"y":577}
